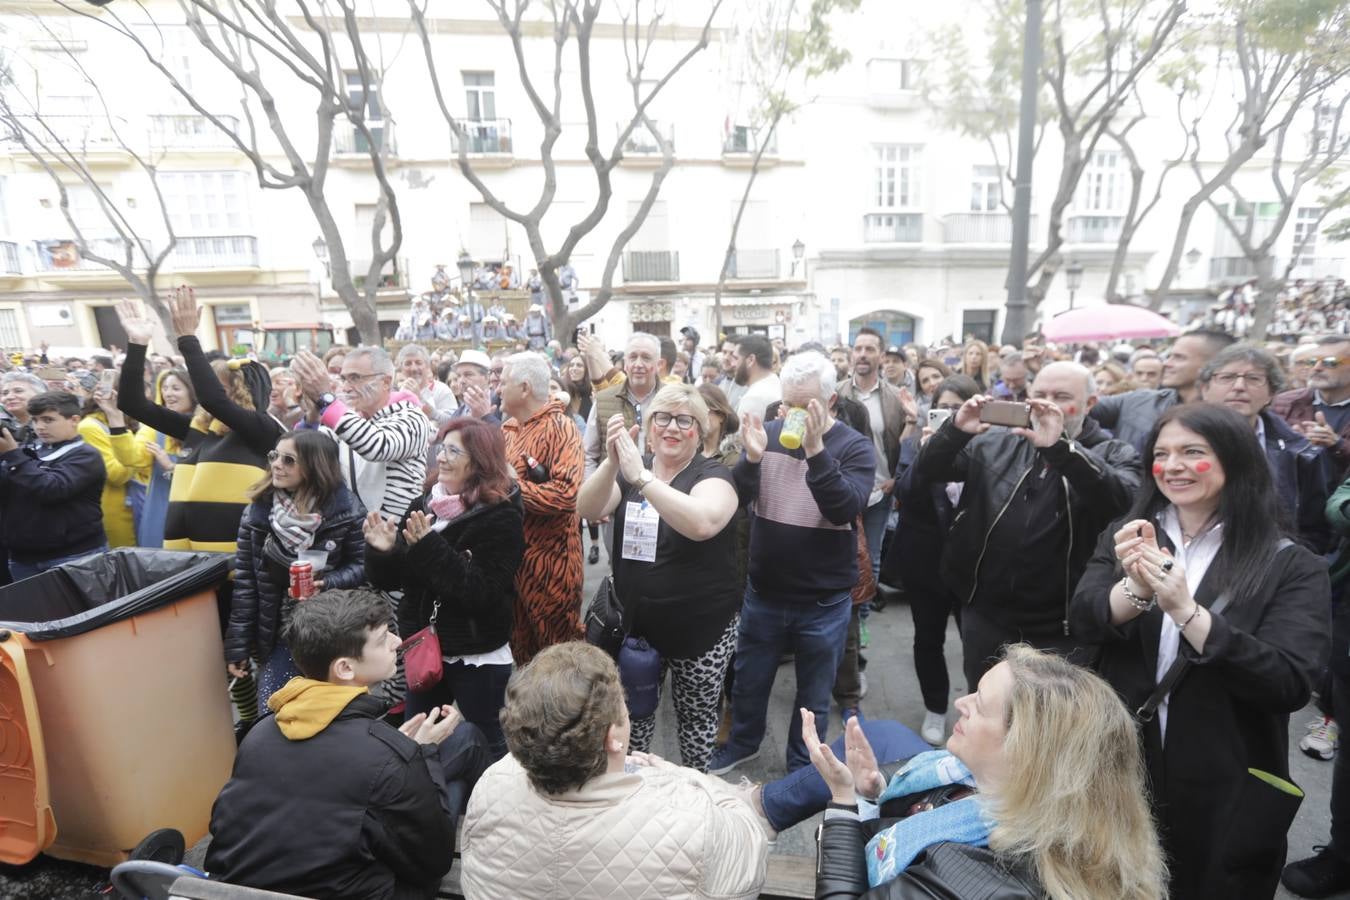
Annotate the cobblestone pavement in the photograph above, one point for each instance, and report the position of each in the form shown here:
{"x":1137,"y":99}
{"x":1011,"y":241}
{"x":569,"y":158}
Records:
{"x":893,"y":692}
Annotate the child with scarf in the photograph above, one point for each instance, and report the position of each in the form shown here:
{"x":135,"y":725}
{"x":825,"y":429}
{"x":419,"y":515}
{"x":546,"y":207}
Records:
{"x":301,"y":507}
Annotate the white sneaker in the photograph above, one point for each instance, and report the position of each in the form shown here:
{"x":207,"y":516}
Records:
{"x":1321,"y":740}
{"x":862,"y":685}
{"x":934,"y":729}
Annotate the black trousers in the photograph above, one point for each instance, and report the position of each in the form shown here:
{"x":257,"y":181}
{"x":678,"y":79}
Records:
{"x":982,"y":639}
{"x":1340,"y":774}
{"x":930,"y":605}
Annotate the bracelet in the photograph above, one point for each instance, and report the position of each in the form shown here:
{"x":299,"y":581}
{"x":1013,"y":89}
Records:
{"x":847,"y":807}
{"x":1195,"y":612}
{"x":1135,"y":600}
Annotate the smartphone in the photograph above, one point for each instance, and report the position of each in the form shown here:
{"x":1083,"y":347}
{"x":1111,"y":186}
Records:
{"x":52,"y":373}
{"x":107,"y":380}
{"x":1004,"y":412}
{"x":937,"y":416}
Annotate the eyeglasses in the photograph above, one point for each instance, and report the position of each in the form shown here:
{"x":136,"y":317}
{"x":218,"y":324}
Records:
{"x":1255,"y":379}
{"x":355,"y":377}
{"x":497,"y":370}
{"x":1328,"y":362}
{"x":449,"y":451}
{"x":663,"y":420}
{"x":286,"y":459}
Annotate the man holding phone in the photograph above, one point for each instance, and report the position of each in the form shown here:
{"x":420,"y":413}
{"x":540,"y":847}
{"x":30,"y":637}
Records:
{"x":1035,"y":497}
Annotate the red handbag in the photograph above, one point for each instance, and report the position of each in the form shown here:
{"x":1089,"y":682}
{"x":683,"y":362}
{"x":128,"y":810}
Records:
{"x":422,"y":663}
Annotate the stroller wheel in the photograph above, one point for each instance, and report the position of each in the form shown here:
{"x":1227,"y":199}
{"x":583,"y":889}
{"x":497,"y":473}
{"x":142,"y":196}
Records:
{"x":165,"y":845}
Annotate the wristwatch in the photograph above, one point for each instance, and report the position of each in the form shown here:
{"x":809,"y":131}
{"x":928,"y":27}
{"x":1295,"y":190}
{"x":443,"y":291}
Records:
{"x":645,"y":477}
{"x":326,"y":400}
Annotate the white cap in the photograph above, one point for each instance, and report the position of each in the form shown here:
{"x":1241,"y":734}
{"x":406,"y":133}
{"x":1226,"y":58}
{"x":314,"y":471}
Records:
{"x":475,"y":358}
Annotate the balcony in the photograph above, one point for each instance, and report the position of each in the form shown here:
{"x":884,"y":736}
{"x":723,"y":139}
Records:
{"x":1317,"y":269}
{"x":981,"y":228}
{"x":349,"y":141}
{"x":76,"y":133}
{"x":229,"y":251}
{"x":893,"y":228}
{"x":394,"y":274}
{"x":63,"y":255}
{"x":9,"y":259}
{"x":651,"y":265}
{"x":642,"y":142}
{"x":742,"y":140}
{"x":754,"y":264}
{"x":1094,"y":229}
{"x":190,"y":132}
{"x":487,"y":136}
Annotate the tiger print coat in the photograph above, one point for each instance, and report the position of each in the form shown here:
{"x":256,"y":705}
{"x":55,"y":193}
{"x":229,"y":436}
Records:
{"x":548,"y":584}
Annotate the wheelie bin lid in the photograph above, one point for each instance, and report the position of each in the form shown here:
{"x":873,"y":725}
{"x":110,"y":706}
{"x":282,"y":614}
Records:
{"x":104,"y":588}
{"x":27,"y":826}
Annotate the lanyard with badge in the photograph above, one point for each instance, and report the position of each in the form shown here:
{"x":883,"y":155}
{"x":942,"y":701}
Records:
{"x":641,"y":523}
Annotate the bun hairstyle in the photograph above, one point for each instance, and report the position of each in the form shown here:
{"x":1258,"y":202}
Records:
{"x":248,"y":383}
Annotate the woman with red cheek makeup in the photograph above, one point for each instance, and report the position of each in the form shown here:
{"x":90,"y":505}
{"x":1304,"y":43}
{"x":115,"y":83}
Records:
{"x":1213,"y":626}
{"x":674,"y":557}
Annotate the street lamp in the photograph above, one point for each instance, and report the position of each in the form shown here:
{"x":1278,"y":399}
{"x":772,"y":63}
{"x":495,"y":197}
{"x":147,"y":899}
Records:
{"x":465,"y":265}
{"x":1073,"y":277}
{"x":320,"y":247}
{"x":798,"y":250}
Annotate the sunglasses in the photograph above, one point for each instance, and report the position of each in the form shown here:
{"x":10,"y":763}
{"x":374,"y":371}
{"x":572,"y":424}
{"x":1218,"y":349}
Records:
{"x":286,"y":459}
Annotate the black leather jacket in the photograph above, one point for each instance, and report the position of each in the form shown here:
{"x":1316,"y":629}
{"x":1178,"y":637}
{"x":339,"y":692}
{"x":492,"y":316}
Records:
{"x":946,"y":871}
{"x":1099,"y":476}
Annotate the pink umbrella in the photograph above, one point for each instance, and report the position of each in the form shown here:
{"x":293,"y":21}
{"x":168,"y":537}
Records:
{"x":1112,"y":322}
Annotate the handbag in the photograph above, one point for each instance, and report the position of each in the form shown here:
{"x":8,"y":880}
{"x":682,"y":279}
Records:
{"x":604,"y":619}
{"x":422,"y":663}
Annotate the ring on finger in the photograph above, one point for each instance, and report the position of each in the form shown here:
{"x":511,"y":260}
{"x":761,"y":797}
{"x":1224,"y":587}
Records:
{"x":1167,"y":565}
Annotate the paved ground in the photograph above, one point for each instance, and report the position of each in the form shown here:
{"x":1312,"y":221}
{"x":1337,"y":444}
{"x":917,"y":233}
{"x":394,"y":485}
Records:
{"x":893,"y":693}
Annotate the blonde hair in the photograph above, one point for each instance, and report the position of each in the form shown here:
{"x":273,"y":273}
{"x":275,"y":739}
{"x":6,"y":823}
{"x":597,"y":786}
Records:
{"x":673,"y":396}
{"x":1075,"y":799}
{"x":236,"y":388}
{"x":986,"y":367}
{"x":1122,"y":384}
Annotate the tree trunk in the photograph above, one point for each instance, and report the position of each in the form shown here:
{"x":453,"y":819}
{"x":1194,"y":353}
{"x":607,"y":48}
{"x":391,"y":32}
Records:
{"x":1126,"y":235}
{"x":1268,"y":291}
{"x":1188,"y":211}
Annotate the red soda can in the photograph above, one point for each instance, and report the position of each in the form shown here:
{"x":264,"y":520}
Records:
{"x":302,"y":580}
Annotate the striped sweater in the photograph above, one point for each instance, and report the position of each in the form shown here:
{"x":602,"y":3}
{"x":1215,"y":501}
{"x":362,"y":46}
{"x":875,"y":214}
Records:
{"x":384,"y":458}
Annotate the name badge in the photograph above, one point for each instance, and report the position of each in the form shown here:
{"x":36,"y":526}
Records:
{"x":640,"y":525}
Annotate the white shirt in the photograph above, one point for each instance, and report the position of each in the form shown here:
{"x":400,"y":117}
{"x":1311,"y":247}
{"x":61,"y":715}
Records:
{"x":1196,"y":560}
{"x":760,"y":395}
{"x":876,"y":421}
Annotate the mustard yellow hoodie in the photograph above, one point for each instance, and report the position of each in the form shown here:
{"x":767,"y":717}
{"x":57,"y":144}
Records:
{"x":305,"y":707}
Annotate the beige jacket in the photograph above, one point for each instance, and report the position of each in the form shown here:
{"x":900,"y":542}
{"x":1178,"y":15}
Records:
{"x":668,"y":832}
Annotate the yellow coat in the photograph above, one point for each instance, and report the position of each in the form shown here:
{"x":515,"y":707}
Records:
{"x":117,"y":518}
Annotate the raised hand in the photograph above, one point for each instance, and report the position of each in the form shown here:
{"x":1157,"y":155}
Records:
{"x":861,"y":761}
{"x":967,"y":418}
{"x":835,"y":773}
{"x":311,"y":374}
{"x":381,"y":533}
{"x":187,"y":315}
{"x":139,"y":327}
{"x":1047,"y":422}
{"x":753,"y":437}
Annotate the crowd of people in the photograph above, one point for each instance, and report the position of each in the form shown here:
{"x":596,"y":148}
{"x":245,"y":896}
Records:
{"x":1143,"y":547}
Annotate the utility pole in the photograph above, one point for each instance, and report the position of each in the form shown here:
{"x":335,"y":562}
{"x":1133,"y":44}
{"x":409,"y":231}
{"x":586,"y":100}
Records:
{"x":1017,"y":319}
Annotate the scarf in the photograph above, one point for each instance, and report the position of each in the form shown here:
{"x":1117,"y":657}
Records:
{"x":446,"y":507}
{"x":894,"y":848}
{"x":293,"y":528}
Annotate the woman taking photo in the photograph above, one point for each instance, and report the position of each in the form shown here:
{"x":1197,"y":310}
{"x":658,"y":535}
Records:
{"x":929,"y":510}
{"x":674,"y":557}
{"x":455,"y":556}
{"x":1040,"y":793}
{"x":155,"y":450}
{"x":928,"y":375}
{"x":1213,"y":627}
{"x":301,"y":507}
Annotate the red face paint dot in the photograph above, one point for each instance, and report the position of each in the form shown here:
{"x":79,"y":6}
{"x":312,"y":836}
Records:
{"x":1202,"y":466}
{"x":1071,"y":410}
{"x":1157,"y":468}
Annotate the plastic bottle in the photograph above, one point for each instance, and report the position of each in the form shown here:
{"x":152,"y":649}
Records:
{"x":794,"y":428}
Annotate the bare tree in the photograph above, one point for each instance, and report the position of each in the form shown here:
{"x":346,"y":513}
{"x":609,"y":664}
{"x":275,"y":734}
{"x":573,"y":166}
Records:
{"x":1097,"y":53}
{"x":573,"y":26}
{"x":1286,"y":70}
{"x":269,"y":53}
{"x":134,"y":255}
{"x":781,"y":51}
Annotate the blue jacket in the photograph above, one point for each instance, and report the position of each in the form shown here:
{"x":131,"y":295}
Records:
{"x":51,"y":501}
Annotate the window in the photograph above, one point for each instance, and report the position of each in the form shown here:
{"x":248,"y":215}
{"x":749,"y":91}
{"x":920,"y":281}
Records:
{"x":1104,"y":183}
{"x":487,"y":233}
{"x":10,"y":338}
{"x":654,"y":233}
{"x":363,"y":102}
{"x":480,"y":96}
{"x":887,"y":76}
{"x":202,"y":203}
{"x":1305,"y":234}
{"x":986,"y":189}
{"x":896,"y":185}
{"x":979,"y":324}
{"x":86,"y":210}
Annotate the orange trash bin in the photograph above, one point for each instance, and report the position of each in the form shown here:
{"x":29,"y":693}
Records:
{"x":114,"y":716}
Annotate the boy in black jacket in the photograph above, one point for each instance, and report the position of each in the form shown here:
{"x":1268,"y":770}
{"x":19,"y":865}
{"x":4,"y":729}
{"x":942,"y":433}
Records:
{"x":51,"y":491}
{"x":326,"y":799}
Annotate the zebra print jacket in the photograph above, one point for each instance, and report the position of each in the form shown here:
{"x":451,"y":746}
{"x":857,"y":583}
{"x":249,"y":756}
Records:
{"x":384,"y":458}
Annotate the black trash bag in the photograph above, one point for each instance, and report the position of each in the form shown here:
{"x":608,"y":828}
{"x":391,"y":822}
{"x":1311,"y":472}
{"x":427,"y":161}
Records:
{"x":104,"y":588}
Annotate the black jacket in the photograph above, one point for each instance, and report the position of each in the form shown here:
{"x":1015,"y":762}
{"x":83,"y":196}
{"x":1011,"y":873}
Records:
{"x":928,"y":514}
{"x":946,"y":871}
{"x":261,"y":605}
{"x":51,"y":501}
{"x":470,"y":568}
{"x":1229,"y":713}
{"x":357,"y":811}
{"x":1303,"y":476}
{"x":1132,"y":415}
{"x":1094,"y":480}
